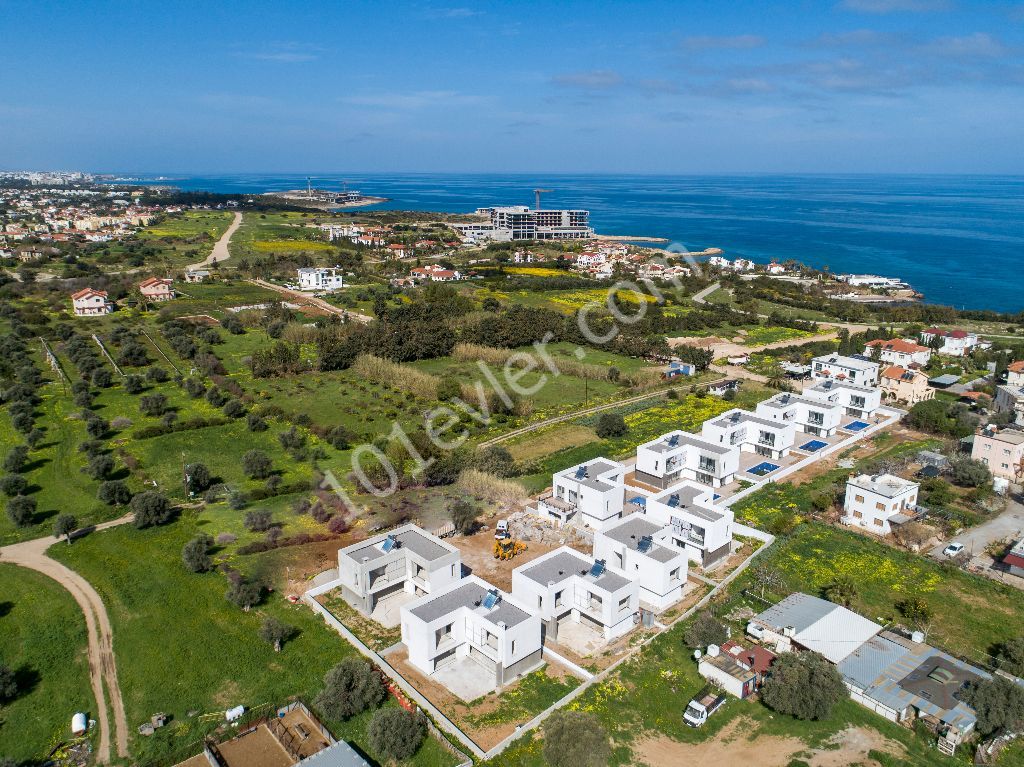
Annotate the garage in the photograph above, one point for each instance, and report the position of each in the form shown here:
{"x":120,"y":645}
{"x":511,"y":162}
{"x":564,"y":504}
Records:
{"x":482,"y":659}
{"x":444,"y":659}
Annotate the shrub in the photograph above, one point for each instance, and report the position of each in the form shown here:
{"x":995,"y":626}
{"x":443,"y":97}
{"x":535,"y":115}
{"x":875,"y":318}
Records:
{"x":350,"y":688}
{"x":153,"y":405}
{"x":216,"y":397}
{"x":16,"y":458}
{"x":496,"y":460}
{"x":575,"y":739}
{"x":196,"y":554}
{"x":340,"y":438}
{"x":275,"y":632}
{"x":255,"y":423}
{"x":611,"y":425}
{"x":396,"y":734}
{"x":13,"y":484}
{"x":967,"y":472}
{"x":114,"y":493}
{"x":8,"y":684}
{"x":234,"y":408}
{"x":998,"y":702}
{"x":338,"y":524}
{"x":804,"y":685}
{"x":194,"y":387}
{"x":223,"y":539}
{"x":256,"y":464}
{"x":703,"y":631}
{"x":258,"y":520}
{"x":233,"y":325}
{"x":150,"y":508}
{"x":464,"y":515}
{"x":21,"y":510}
{"x":157,"y":375}
{"x":121,"y":422}
{"x":915,"y":610}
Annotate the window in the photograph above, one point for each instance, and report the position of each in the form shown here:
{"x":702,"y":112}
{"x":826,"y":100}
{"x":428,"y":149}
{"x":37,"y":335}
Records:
{"x":540,"y":601}
{"x":624,"y":604}
{"x":858,"y":514}
{"x":513,"y":647}
{"x":708,"y":464}
{"x":558,"y":599}
{"x":858,"y":498}
{"x":880,"y":506}
{"x":674,"y":575}
{"x":878,"y":523}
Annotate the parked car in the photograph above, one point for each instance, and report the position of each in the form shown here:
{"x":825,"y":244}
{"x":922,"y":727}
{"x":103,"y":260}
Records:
{"x":953,"y":549}
{"x":707,"y":702}
{"x":501,"y":530}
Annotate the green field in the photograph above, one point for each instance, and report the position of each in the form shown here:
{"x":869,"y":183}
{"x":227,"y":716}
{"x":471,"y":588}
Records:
{"x":43,"y":639}
{"x":185,"y":238}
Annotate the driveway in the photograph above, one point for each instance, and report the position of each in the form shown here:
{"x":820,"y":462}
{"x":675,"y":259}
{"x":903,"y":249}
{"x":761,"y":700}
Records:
{"x":1009,"y":524}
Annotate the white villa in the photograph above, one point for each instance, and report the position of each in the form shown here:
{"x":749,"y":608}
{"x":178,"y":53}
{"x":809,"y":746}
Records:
{"x":594,"y":489}
{"x":89,"y":303}
{"x":565,"y":586}
{"x":751,"y":433}
{"x":378,"y":574}
{"x":692,"y":522}
{"x":856,"y":370}
{"x":955,"y":343}
{"x":878,"y":502}
{"x":821,"y":419}
{"x":856,"y":401}
{"x":640,"y":549}
{"x":321,"y":278}
{"x":899,"y":351}
{"x":679,"y":455}
{"x":472,"y":621}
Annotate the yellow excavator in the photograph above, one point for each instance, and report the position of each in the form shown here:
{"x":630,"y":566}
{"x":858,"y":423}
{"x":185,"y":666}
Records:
{"x":508,"y":548}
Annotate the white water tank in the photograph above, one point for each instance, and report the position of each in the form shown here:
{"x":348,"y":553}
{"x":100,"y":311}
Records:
{"x":697,"y":654}
{"x":234,"y":713}
{"x":917,"y":636}
{"x":79,"y":724}
{"x":713,"y":651}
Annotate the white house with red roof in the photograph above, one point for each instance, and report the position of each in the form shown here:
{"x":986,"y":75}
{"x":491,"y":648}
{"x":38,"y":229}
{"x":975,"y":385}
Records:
{"x":1015,"y":374}
{"x":89,"y":302}
{"x":157,"y":289}
{"x":434,"y":273}
{"x":898,"y":351}
{"x":398,"y":250}
{"x":955,"y":343}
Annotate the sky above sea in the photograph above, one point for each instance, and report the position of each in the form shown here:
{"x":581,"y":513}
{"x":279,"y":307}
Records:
{"x":957,"y":239}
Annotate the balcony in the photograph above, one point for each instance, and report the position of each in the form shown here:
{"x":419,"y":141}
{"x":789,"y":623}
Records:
{"x":383,"y":579}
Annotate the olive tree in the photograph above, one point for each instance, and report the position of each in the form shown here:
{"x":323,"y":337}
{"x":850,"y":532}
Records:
{"x":804,"y":685}
{"x":350,"y":688}
{"x":575,"y":739}
{"x":396,"y":734}
{"x":63,"y":526}
{"x":275,"y":632}
{"x":21,"y":510}
{"x":150,"y":508}
{"x":256,"y":464}
{"x":196,"y":554}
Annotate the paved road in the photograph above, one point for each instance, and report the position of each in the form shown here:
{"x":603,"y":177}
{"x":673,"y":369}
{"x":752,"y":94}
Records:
{"x":1009,"y":524}
{"x":701,"y":297}
{"x":220,"y":250}
{"x":102,"y":665}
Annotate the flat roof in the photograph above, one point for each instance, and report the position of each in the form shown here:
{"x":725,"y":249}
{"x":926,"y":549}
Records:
{"x":632,"y":529}
{"x":688,"y":495}
{"x":563,"y":564}
{"x":820,"y":625}
{"x":340,"y":754}
{"x":410,"y":537}
{"x":886,"y":485}
{"x":828,"y":384}
{"x":745,"y":416}
{"x":685,"y":438}
{"x":787,"y":399}
{"x":854,"y":363}
{"x":470,"y":594}
{"x":1010,"y":436}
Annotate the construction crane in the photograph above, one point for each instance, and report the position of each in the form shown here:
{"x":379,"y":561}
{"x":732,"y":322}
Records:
{"x":537,"y":193}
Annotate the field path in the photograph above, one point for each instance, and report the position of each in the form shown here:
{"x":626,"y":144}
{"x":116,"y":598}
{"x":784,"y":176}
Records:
{"x":220,"y":249}
{"x":102,"y":665}
{"x":296,"y":297}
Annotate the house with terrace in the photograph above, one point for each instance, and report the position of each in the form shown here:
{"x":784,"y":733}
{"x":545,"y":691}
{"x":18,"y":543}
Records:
{"x":955,"y":343}
{"x":856,"y":401}
{"x":472,"y":629}
{"x":898,"y":351}
{"x":564,"y":588}
{"x":89,"y":302}
{"x":810,"y":416}
{"x":679,"y":455}
{"x":640,"y":549}
{"x":905,"y":385}
{"x":751,"y":433}
{"x":1010,"y":399}
{"x":877,"y":503}
{"x":857,"y":370}
{"x":378,"y":575}
{"x":593,"y":490}
{"x":692,"y":522}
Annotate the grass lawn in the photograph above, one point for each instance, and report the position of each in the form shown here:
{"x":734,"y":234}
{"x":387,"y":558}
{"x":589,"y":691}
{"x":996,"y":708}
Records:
{"x":531,"y":695}
{"x":186,"y":238}
{"x":214,"y":297}
{"x":759,"y":335}
{"x":182,"y":647}
{"x":43,"y":639}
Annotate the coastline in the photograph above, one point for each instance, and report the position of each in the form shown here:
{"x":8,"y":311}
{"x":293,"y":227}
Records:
{"x":302,"y":202}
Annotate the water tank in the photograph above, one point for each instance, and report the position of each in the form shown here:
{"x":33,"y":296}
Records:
{"x":697,"y":654}
{"x":917,"y":636}
{"x":713,"y":651}
{"x":79,"y":724}
{"x":234,"y":713}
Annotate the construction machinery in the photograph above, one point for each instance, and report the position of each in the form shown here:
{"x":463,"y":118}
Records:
{"x":537,"y":193}
{"x":508,"y":548}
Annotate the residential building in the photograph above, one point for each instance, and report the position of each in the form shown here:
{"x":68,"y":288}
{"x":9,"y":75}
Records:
{"x":803,"y":622}
{"x":157,"y":289}
{"x":196,"y":275}
{"x":856,"y":401}
{"x":435,"y":273}
{"x":878,"y":502}
{"x":518,"y":222}
{"x":89,"y":303}
{"x":1014,"y":559}
{"x":408,"y":560}
{"x":1010,"y":399}
{"x":399,"y":250}
{"x":321,"y":278}
{"x":472,"y":620}
{"x":898,"y":351}
{"x":810,"y":416}
{"x":679,"y":455}
{"x":904,"y":385}
{"x":955,"y":343}
{"x":751,"y":433}
{"x":737,"y":670}
{"x":691,"y":521}
{"x":638,"y":548}
{"x":564,"y":585}
{"x":857,"y":370}
{"x":1015,"y":373}
{"x":1002,"y":450}
{"x":594,"y":489}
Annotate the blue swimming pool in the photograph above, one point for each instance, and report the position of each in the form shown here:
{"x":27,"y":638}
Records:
{"x":762,"y":468}
{"x":856,"y":426}
{"x":813,"y":446}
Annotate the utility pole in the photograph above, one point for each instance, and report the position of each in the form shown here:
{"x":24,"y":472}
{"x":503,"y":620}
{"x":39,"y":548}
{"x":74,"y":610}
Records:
{"x":184,"y":476}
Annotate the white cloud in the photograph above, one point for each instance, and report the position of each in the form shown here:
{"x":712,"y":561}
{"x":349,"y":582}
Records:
{"x":411,"y":100}
{"x":895,"y":6}
{"x":593,"y":80}
{"x":978,"y":45}
{"x":730,"y":42}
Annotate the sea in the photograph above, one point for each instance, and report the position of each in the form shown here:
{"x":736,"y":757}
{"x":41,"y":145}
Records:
{"x":959,"y":240}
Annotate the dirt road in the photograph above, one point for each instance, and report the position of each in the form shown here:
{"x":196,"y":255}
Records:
{"x":102,"y":665}
{"x":220,"y":252}
{"x":296,"y":297}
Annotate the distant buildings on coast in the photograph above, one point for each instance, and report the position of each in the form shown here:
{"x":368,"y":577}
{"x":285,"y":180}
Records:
{"x":518,"y":222}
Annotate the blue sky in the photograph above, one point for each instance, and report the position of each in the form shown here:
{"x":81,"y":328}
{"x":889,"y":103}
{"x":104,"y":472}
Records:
{"x":930,"y":86}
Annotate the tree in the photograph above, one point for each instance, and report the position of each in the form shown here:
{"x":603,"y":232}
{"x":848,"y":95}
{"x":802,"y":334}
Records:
{"x":16,"y":458}
{"x":258,"y":520}
{"x":967,"y":472}
{"x":915,"y":610}
{"x":396,"y":734}
{"x":102,"y":378}
{"x":611,"y":425}
{"x":197,"y":477}
{"x":998,"y":702}
{"x":133,"y":384}
{"x":153,"y":404}
{"x":13,"y":484}
{"x":804,"y":685}
{"x":234,"y":408}
{"x":705,"y":630}
{"x":196,"y":554}
{"x":21,"y":510}
{"x":233,"y":325}
{"x":245,"y":593}
{"x":95,"y":426}
{"x":350,"y":688}
{"x":254,"y":422}
{"x":275,"y":632}
{"x":63,"y":526}
{"x":150,"y":508}
{"x":8,"y":683}
{"x":100,"y":466}
{"x":1010,"y":655}
{"x":575,"y":739}
{"x":842,"y":591}
{"x":464,"y":516}
{"x":114,"y":492}
{"x":256,"y":464}
{"x":768,"y":578}
{"x":496,"y":460}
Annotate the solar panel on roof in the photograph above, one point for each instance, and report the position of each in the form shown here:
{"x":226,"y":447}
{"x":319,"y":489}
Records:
{"x":388,"y":544}
{"x":673,"y":500}
{"x":645,"y":543}
{"x":597,"y":569}
{"x":673,"y":440}
{"x":490,"y":600}
{"x":581,"y":472}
